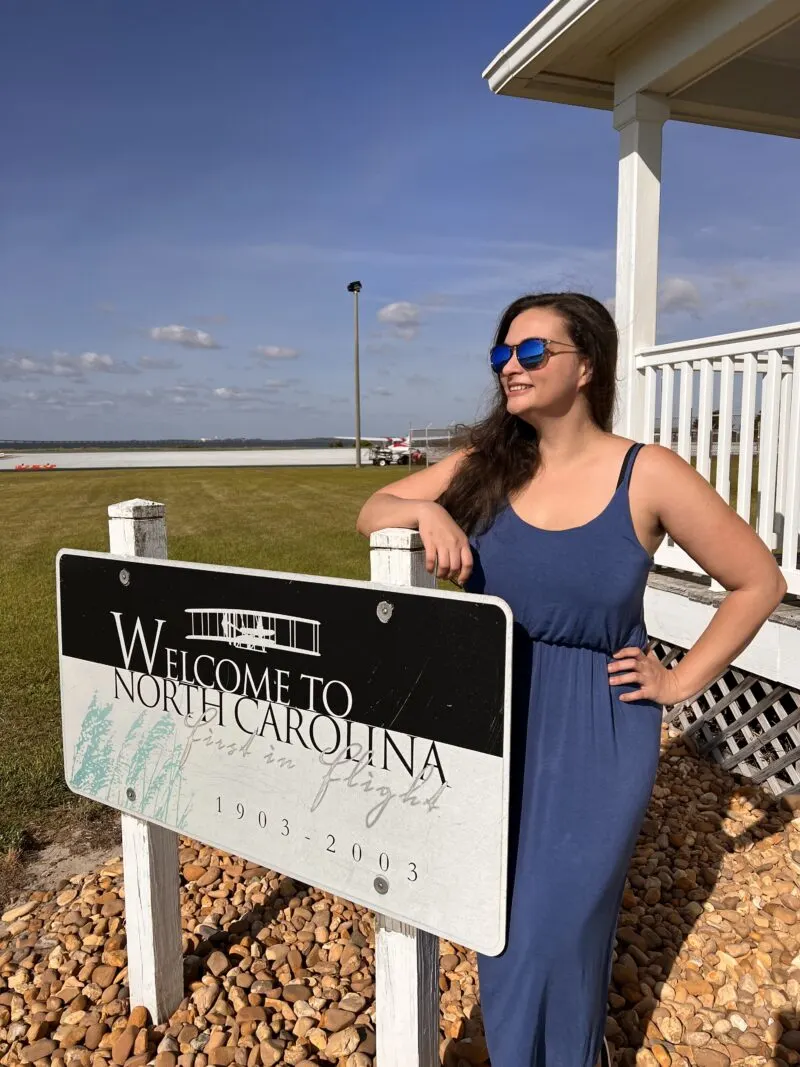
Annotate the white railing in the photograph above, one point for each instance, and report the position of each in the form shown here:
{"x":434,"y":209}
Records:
{"x":737,"y":397}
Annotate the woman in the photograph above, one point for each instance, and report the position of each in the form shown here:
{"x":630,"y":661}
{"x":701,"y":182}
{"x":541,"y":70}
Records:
{"x":550,"y":510}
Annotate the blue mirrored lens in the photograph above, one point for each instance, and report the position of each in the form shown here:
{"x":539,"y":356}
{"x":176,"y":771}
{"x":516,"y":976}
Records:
{"x":531,"y":352}
{"x":499,"y":356}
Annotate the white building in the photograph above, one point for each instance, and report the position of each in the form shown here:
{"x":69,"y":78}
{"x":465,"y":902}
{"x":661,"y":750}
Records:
{"x":733,"y":63}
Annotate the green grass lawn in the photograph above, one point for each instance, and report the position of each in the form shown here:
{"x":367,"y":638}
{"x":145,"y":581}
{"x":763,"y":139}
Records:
{"x":284,"y":519}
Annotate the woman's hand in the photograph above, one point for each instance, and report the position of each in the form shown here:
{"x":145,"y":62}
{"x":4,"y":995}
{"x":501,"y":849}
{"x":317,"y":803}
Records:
{"x":656,"y":682}
{"x":445,"y":543}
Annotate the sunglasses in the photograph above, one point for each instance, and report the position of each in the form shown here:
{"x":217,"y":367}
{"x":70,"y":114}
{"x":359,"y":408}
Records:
{"x":530,"y":353}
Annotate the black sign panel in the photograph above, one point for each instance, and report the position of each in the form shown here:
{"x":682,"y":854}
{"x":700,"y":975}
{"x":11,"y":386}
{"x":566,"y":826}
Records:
{"x":434,"y":668}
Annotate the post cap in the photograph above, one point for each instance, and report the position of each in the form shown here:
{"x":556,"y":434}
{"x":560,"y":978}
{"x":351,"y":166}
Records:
{"x":136,"y":509}
{"x":396,"y":537}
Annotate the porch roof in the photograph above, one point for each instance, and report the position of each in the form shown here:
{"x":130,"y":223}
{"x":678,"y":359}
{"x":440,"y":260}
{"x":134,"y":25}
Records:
{"x":732,"y":63}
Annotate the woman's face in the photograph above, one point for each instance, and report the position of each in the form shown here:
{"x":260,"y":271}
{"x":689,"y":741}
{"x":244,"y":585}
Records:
{"x":552,"y":387}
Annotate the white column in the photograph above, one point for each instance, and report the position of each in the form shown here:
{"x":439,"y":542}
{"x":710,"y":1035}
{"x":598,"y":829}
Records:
{"x":639,"y":120}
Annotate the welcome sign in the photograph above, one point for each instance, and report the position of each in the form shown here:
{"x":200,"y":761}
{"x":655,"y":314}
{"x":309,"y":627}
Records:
{"x":352,"y":736}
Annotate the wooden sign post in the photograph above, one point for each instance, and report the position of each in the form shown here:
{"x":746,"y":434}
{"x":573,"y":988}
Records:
{"x":406,"y":959}
{"x":149,"y":852}
{"x":353,"y":736}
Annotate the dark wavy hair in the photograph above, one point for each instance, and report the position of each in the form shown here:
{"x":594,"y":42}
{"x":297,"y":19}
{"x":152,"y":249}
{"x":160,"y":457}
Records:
{"x":502,"y":449}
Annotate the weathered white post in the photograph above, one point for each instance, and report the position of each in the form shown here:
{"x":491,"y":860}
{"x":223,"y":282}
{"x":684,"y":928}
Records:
{"x":149,"y":853}
{"x":406,"y":959}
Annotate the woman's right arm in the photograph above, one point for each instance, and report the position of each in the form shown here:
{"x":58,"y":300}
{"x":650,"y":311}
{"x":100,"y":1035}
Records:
{"x":411,"y":503}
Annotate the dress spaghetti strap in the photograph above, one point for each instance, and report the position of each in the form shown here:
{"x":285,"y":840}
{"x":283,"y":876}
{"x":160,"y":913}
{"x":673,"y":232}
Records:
{"x":627,"y":463}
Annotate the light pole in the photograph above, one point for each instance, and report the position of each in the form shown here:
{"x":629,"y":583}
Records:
{"x":355,"y":289}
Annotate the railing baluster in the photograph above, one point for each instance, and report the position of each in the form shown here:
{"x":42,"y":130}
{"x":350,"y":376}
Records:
{"x":665,"y":427}
{"x":649,"y":432}
{"x":705,"y":405}
{"x":746,"y":428}
{"x":791,"y":519}
{"x":768,"y":448}
{"x":784,"y":421}
{"x":724,"y":429}
{"x":724,"y":437}
{"x":685,"y":412}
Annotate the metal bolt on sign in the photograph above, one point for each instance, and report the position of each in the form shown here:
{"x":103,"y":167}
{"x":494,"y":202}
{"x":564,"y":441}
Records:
{"x":384,"y":610}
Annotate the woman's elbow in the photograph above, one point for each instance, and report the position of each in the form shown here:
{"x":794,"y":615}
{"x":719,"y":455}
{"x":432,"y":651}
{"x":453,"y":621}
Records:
{"x":363,"y":524}
{"x":772,"y":587}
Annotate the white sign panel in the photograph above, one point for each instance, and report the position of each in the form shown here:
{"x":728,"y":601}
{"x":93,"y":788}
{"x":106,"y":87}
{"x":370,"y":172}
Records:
{"x":351,"y":736}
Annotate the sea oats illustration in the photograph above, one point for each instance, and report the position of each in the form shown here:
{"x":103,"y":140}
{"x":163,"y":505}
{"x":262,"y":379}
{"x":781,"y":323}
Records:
{"x":143,"y":754}
{"x":93,"y":756}
{"x":155,"y":772}
{"x":121,"y":771}
{"x":143,"y":773}
{"x":160,"y":775}
{"x":163,"y":793}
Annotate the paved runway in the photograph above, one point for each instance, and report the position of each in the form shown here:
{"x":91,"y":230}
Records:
{"x":277,"y":457}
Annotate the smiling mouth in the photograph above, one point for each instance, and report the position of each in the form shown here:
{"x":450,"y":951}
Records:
{"x":512,"y":389}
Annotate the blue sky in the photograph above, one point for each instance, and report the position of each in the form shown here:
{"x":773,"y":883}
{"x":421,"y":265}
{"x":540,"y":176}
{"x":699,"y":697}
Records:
{"x":187,"y":188}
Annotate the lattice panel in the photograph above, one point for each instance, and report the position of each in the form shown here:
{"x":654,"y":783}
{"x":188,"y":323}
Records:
{"x":748,"y":725}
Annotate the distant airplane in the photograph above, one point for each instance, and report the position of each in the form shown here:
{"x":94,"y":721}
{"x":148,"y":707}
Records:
{"x":396,"y":442}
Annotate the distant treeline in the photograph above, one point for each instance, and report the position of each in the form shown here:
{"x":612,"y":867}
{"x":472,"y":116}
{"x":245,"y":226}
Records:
{"x":169,"y":443}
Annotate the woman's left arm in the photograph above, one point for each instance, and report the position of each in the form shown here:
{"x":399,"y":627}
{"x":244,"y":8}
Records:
{"x":697,"y":518}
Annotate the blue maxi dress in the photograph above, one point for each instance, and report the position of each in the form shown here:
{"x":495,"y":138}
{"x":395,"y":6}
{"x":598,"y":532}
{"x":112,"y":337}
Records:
{"x":582,"y":771}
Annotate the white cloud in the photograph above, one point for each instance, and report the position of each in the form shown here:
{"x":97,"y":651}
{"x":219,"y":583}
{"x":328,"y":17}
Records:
{"x":95,"y":361}
{"x":259,"y":393}
{"x":61,"y":365}
{"x":276,"y":352}
{"x":679,"y":295}
{"x":183,"y":335}
{"x":24,"y":364}
{"x":401,"y":317}
{"x":236,"y":396}
{"x":90,"y":361}
{"x":65,"y":398}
